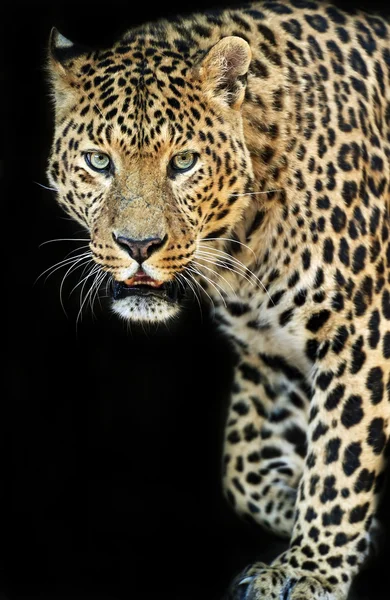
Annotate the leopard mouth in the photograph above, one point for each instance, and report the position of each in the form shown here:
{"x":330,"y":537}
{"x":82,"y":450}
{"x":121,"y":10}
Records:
{"x":142,"y":285}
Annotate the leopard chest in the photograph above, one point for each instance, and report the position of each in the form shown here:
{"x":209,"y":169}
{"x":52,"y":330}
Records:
{"x":270,"y":326}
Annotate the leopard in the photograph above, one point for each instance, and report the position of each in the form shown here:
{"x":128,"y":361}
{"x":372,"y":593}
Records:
{"x":240,"y":158}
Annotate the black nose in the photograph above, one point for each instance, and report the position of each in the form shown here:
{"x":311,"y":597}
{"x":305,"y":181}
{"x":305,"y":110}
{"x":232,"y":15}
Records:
{"x":139,"y":250}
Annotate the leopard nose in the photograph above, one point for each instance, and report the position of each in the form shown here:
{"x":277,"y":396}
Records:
{"x":140,"y":250}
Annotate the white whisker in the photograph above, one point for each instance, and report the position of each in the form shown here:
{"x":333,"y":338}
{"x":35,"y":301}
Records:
{"x":215,"y":285}
{"x":242,"y":269}
{"x":45,"y":187}
{"x":73,"y":266}
{"x":256,"y":193}
{"x":178,"y":277}
{"x":219,"y":263}
{"x":221,"y":255}
{"x":215,"y":273}
{"x":204,"y":240}
{"x":64,"y":240}
{"x":238,"y":264}
{"x":202,"y":289}
{"x":82,"y":302}
{"x":62,"y":263}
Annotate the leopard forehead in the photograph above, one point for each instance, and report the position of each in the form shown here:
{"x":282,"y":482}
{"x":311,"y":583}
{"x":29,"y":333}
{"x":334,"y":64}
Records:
{"x":143,"y":92}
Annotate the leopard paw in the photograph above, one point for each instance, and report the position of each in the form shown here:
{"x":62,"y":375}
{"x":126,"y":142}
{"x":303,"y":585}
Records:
{"x":264,"y":582}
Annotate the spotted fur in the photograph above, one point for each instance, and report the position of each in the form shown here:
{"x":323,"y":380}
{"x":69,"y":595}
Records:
{"x":284,"y":222}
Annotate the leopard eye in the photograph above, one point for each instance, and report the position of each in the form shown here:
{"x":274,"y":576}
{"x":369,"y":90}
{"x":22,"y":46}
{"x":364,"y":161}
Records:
{"x":184,"y":161}
{"x":98,"y":161}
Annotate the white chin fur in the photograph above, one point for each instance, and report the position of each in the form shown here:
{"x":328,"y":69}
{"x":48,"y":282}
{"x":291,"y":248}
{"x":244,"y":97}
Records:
{"x":144,"y":309}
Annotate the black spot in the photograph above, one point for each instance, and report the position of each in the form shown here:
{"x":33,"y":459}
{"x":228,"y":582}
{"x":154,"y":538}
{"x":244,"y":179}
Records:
{"x":358,"y":356}
{"x":332,"y":450}
{"x":386,"y":304}
{"x":276,"y":7}
{"x":334,"y":397}
{"x":328,"y":250}
{"x":359,"y":257}
{"x":311,"y":515}
{"x":312,"y":349}
{"x":253,"y":478}
{"x":375,"y":384}
{"x":254,"y":457}
{"x":340,"y":339}
{"x":335,"y":15}
{"x":286,"y":317}
{"x":239,"y":464}
{"x":386,"y":345}
{"x":250,"y":373}
{"x":357,"y":63}
{"x":253,"y":508}
{"x":318,"y":22}
{"x":358,"y":513}
{"x":329,"y":492}
{"x":296,"y":436}
{"x":324,"y":379}
{"x":340,"y":539}
{"x":376,"y":435}
{"x":318,"y":320}
{"x":319,"y":431}
{"x":237,"y":308}
{"x":351,"y":460}
{"x":314,"y":534}
{"x":373,"y":326}
{"x":279,"y":414}
{"x":250,"y":432}
{"x":338,"y":302}
{"x":352,"y":412}
{"x":359,"y":303}
{"x":300,"y":298}
{"x":364,"y":481}
{"x":293,"y":27}
{"x":234,"y":437}
{"x":323,"y":202}
{"x":338,"y":219}
{"x":334,"y":561}
{"x":334,"y":517}
{"x":278,"y":363}
{"x":365,"y":38}
{"x":270,"y":452}
{"x":342,"y":34}
{"x":306,"y":258}
{"x":349,"y":192}
{"x":238,"y":486}
{"x":241,"y":408}
{"x":276,"y":298}
{"x":293,"y":280}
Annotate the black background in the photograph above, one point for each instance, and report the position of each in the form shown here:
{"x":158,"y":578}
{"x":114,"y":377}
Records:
{"x":113,"y":434}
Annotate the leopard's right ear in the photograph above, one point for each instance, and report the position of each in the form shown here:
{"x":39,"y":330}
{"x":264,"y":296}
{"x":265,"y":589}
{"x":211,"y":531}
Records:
{"x":62,"y":52}
{"x":62,"y":66}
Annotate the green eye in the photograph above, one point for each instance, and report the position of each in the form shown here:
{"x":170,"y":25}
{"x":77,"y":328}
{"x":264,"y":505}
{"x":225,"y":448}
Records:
{"x":98,"y":161}
{"x":184,"y":161}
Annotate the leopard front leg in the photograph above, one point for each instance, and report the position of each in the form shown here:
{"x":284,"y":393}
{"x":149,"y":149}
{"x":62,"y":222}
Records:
{"x":265,"y":443}
{"x":343,"y":474}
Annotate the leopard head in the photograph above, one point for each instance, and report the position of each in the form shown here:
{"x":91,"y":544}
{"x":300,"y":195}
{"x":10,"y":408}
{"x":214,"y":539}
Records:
{"x":149,"y":155}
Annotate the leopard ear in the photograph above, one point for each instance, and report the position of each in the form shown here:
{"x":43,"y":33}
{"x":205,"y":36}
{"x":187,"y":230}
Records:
{"x":62,"y":58}
{"x":223,"y":70}
{"x":62,"y":51}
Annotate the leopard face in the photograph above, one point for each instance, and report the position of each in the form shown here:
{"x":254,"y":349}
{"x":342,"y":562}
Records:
{"x":149,"y":156}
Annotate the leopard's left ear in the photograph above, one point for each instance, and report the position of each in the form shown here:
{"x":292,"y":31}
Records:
{"x":223,"y":70}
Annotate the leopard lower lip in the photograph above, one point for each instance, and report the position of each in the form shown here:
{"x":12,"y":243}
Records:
{"x":168,"y":291}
